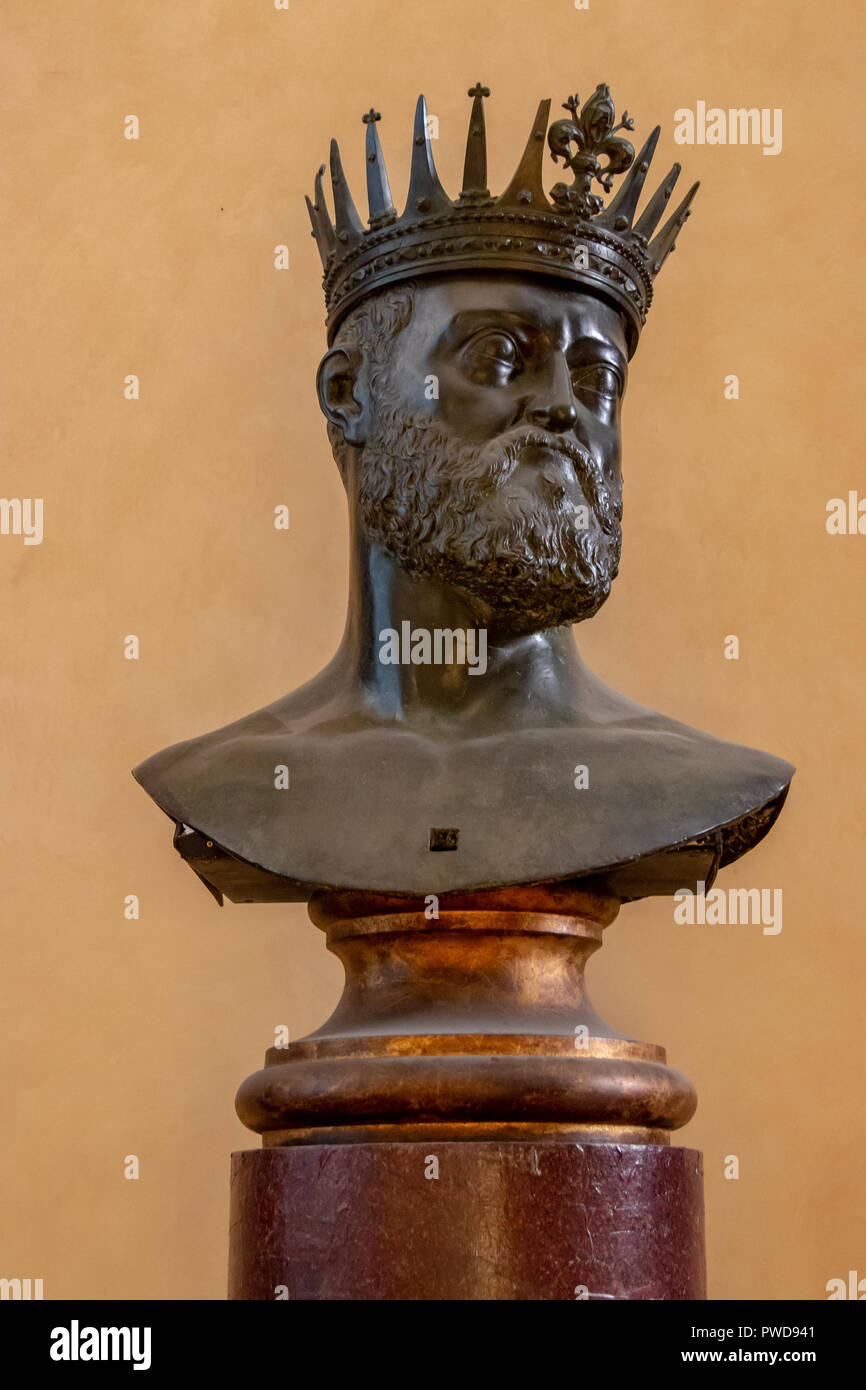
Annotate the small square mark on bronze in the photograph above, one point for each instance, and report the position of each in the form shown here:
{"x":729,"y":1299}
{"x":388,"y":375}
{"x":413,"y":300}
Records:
{"x":443,"y":839}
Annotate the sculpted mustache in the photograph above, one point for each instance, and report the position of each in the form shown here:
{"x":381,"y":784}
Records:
{"x":507,"y":449}
{"x":498,"y":457}
{"x":501,"y":456}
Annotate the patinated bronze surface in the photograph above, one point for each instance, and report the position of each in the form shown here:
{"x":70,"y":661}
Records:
{"x":473,"y":389}
{"x":485,"y":1011}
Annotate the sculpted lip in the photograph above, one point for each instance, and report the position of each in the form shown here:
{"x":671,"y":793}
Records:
{"x":559,"y":485}
{"x":547,"y":456}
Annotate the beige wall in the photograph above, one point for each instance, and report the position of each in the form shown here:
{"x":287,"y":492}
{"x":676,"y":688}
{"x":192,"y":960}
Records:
{"x":155,"y":258}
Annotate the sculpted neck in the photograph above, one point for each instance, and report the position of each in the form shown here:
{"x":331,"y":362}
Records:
{"x":419,"y":650}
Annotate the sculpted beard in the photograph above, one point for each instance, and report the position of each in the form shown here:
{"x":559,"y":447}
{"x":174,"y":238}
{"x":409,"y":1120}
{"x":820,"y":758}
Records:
{"x":441,"y":509}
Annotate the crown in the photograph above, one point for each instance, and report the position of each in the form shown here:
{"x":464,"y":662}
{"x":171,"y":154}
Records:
{"x":570,"y":235}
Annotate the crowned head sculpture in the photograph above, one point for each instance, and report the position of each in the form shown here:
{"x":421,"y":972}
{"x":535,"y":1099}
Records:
{"x":517,"y":314}
{"x":478,"y":353}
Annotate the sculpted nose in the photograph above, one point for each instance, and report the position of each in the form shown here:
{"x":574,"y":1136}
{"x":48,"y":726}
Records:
{"x":554,"y":417}
{"x":554,"y":408}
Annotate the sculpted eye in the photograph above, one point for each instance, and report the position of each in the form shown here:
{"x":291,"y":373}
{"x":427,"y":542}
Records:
{"x":491,"y":357}
{"x":598,"y":379}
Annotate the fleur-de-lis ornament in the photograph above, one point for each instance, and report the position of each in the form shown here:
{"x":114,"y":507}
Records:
{"x":592,"y":133}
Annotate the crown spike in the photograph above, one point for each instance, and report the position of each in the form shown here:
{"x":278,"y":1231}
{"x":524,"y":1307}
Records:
{"x":348,"y":223}
{"x":324,"y":249}
{"x":426,"y":193}
{"x":323,"y":230}
{"x":527,"y":184}
{"x":619,"y":213}
{"x":662,"y":245}
{"x":378,"y":188}
{"x":475,"y":165}
{"x":652,"y":213}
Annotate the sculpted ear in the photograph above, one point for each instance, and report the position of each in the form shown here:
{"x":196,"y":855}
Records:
{"x":342,"y":392}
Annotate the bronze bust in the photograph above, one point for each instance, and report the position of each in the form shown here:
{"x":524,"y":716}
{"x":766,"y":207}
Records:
{"x":477,"y":361}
